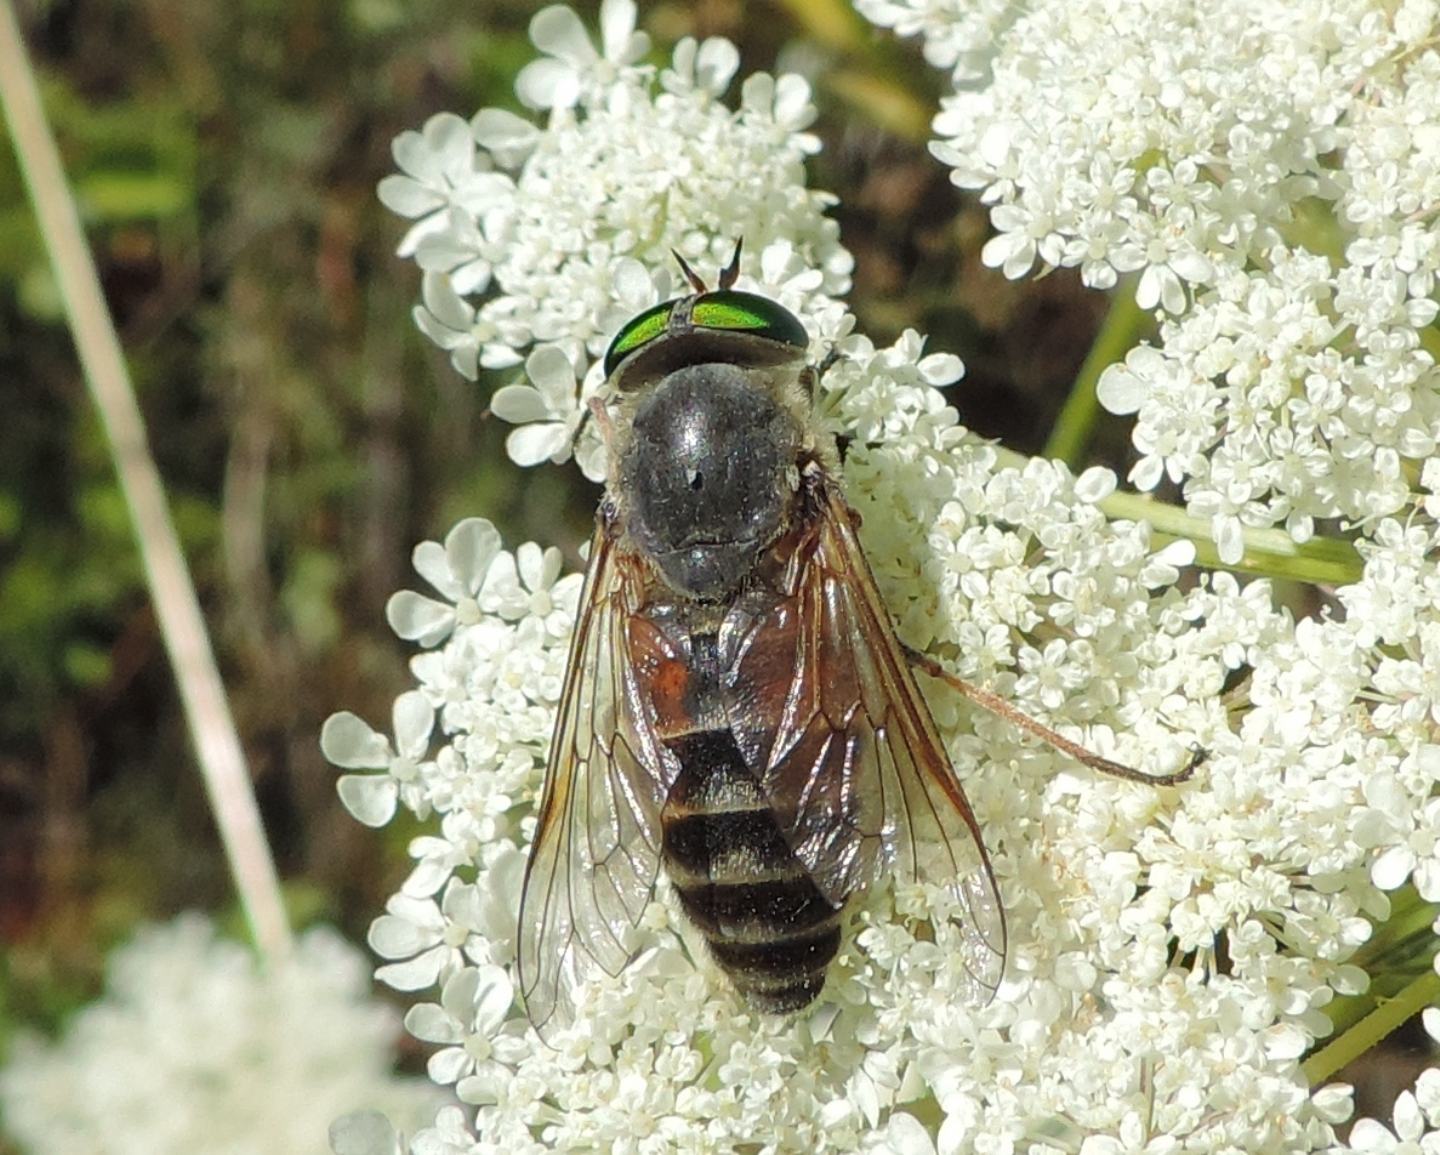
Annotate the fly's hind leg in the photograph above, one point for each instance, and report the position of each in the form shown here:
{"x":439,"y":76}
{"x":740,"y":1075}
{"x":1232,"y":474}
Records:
{"x":999,"y":706}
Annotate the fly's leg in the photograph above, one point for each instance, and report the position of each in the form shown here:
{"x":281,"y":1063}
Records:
{"x":999,"y":706}
{"x":601,"y":416}
{"x":810,"y":375}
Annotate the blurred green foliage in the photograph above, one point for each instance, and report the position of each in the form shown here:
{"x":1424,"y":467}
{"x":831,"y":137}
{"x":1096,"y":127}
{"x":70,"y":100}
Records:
{"x":224,"y":159}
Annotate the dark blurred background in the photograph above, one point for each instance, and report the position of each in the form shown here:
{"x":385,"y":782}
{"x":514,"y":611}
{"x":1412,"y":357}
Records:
{"x":225,"y":157}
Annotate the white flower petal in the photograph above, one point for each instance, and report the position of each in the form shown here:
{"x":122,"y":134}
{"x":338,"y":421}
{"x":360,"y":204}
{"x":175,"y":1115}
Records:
{"x":1095,"y":484}
{"x":429,"y":1023}
{"x":443,"y":302}
{"x":1392,"y":868}
{"x":370,"y":798}
{"x":458,"y":998}
{"x":470,"y":549}
{"x":348,"y":740}
{"x":551,"y":371}
{"x":1406,"y":1118}
{"x":394,"y":937}
{"x":1120,"y":390}
{"x":406,"y":197}
{"x":529,"y":560}
{"x":716,"y":64}
{"x":450,"y":138}
{"x":519,"y":404}
{"x":1229,"y":539}
{"x":558,"y":31}
{"x":427,"y":877}
{"x":905,"y":1135}
{"x":417,"y":618}
{"x":532,"y":444}
{"x":547,"y":84}
{"x":414,"y":974}
{"x":415,"y":155}
{"x":447,"y":1066}
{"x":494,"y":996}
{"x":414,"y":718}
{"x":617,"y":26}
{"x":433,"y":564}
{"x":503,"y":132}
{"x":941,"y":368}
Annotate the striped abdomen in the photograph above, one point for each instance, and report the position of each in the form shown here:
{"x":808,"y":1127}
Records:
{"x":768,"y":926}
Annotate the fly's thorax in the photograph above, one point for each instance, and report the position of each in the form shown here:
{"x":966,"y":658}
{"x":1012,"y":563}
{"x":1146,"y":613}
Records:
{"x":707,"y":473}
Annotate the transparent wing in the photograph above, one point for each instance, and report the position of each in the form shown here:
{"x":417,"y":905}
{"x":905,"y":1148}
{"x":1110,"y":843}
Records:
{"x":854,"y":750}
{"x":593,"y":865}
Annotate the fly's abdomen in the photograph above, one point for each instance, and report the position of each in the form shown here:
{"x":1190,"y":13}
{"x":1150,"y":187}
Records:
{"x":768,"y":926}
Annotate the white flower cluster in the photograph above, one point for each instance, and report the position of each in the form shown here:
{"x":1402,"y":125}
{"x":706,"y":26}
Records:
{"x":1271,"y":170}
{"x":194,"y":1048}
{"x":1123,"y":1015}
{"x":1172,"y":951}
{"x":565,"y":232}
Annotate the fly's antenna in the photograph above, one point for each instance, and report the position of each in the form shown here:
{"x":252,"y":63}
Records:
{"x":690,"y":274}
{"x":731,"y":272}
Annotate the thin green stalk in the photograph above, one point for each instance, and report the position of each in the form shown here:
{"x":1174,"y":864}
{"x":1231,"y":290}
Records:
{"x":1344,"y":1011}
{"x":1122,"y":328}
{"x":1268,"y":552}
{"x":212,"y":729}
{"x":1409,"y":915}
{"x":833,"y":23}
{"x":884,"y":102}
{"x":1374,"y":1027}
{"x":1403,"y":943}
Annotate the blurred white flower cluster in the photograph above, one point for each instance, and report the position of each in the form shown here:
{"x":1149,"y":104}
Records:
{"x":1271,"y":171}
{"x":1172,"y":952}
{"x":194,"y":1048}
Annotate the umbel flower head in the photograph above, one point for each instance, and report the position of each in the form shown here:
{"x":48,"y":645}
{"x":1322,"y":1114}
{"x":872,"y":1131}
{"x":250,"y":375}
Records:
{"x":1172,"y":952}
{"x":194,"y":1047}
{"x":568,"y":230}
{"x":1267,"y":169}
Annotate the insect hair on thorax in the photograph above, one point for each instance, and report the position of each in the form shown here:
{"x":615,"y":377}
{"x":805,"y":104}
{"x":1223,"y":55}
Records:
{"x":784,"y":383}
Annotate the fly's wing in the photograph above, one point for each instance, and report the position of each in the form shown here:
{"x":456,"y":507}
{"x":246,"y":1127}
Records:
{"x":852,"y":761}
{"x":593,"y":864}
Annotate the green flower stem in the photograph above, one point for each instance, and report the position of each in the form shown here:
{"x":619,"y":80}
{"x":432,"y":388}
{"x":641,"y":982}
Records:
{"x":1268,"y":552}
{"x":177,"y":609}
{"x":1123,"y":326}
{"x":832,"y":23}
{"x":1369,"y":1031}
{"x":1400,"y":947}
{"x":882,"y":101}
{"x":1410,"y":915}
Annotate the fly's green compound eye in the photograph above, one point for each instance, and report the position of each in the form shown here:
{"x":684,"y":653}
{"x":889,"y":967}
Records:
{"x":638,"y":331}
{"x":740,"y":312}
{"x":723,"y":311}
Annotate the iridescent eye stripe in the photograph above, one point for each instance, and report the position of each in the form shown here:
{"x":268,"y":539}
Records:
{"x":640,"y":331}
{"x":723,"y":311}
{"x":723,"y":315}
{"x":749,"y":313}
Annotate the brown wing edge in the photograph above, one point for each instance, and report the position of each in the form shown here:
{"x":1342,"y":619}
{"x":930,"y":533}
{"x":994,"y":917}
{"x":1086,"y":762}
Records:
{"x":595,"y":858}
{"x":925,"y":828}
